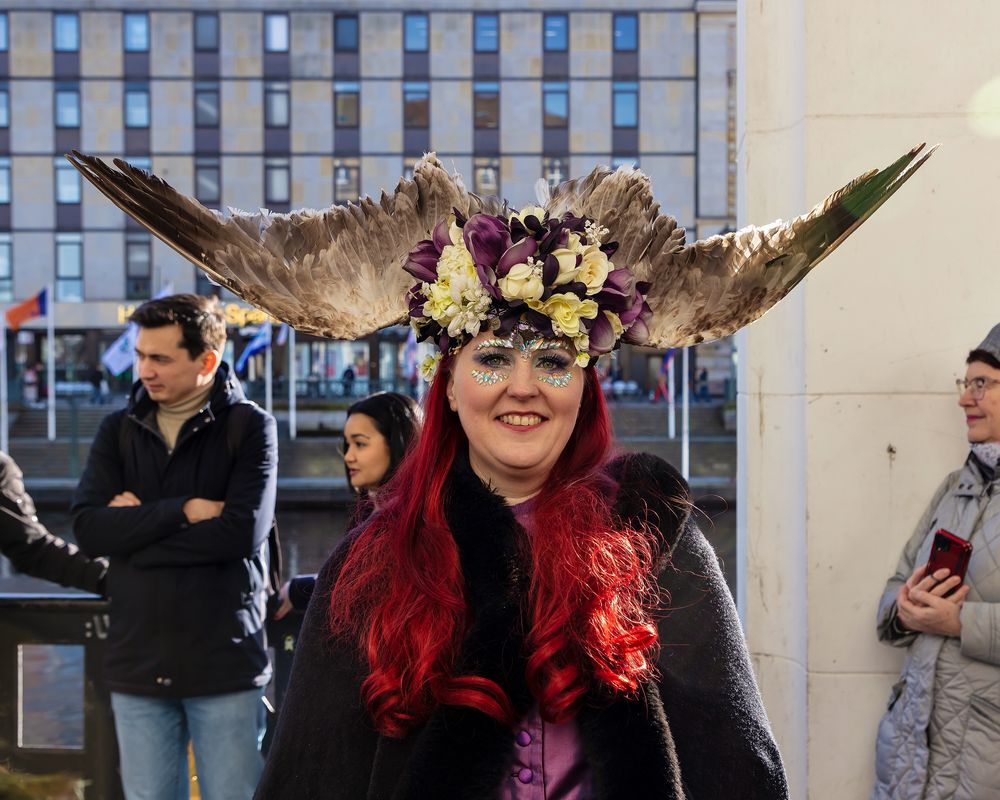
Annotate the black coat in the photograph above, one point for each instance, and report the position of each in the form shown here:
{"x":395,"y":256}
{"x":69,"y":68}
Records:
{"x":31,"y":548}
{"x":187,"y":601}
{"x":699,"y":731}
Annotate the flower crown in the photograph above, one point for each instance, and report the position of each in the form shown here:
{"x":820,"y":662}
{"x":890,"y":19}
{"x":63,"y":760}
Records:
{"x":553,"y":275}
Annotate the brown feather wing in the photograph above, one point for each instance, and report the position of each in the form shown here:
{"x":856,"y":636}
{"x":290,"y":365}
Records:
{"x":335,"y":273}
{"x":716,"y":286}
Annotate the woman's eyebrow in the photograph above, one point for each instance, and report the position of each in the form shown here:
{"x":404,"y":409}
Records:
{"x":359,"y":436}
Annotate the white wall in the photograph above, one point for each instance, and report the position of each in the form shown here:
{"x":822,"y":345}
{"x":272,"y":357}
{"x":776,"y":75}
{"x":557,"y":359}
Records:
{"x":848,"y":419}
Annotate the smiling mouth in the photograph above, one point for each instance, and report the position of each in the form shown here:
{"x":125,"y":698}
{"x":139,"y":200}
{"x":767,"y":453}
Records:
{"x":521,"y":420}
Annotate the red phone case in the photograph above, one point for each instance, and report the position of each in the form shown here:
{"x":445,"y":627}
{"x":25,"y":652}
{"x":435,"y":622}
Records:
{"x":951,"y":552}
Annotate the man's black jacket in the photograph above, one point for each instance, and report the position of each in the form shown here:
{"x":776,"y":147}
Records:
{"x":31,"y":548}
{"x":187,"y":601}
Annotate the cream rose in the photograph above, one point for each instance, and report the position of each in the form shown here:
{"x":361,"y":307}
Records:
{"x":616,"y":323}
{"x":521,"y":283}
{"x":594,"y":269}
{"x":566,"y":311}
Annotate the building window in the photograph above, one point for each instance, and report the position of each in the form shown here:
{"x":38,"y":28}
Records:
{"x":276,"y":113}
{"x":136,"y":33}
{"x":138,"y":263}
{"x":67,"y":100}
{"x":410,"y":165}
{"x":555,"y":104}
{"x":206,"y":181}
{"x":4,"y":42}
{"x":4,"y":180}
{"x":346,"y":103}
{"x":69,"y":267}
{"x":4,"y":107}
{"x":345,"y":33}
{"x":486,"y":105}
{"x":556,"y":33}
{"x":140,"y":162}
{"x":67,"y":182}
{"x":486,"y":177}
{"x":416,"y":33}
{"x":65,"y":33}
{"x":277,"y":181}
{"x":6,"y":269}
{"x":625,"y":104}
{"x":486,"y":35}
{"x":206,"y":105}
{"x":346,"y":180}
{"x":276,"y":33}
{"x":136,"y":105}
{"x":626,"y":36}
{"x":554,"y":171}
{"x":416,"y":105}
{"x":206,"y":32}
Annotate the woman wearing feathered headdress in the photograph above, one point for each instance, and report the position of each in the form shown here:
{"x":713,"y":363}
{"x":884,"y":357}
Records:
{"x":525,"y":615}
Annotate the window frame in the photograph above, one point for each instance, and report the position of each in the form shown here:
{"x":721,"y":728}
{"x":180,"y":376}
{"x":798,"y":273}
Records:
{"x":343,"y":88}
{"x":480,"y":45}
{"x":411,"y":88}
{"x":4,"y":32}
{"x":65,"y":242}
{"x":134,"y":242}
{"x":6,"y":182}
{"x":480,"y":92}
{"x":201,"y":47}
{"x":65,"y":16}
{"x":552,"y":17}
{"x":6,"y":267}
{"x":353,"y":168}
{"x":623,"y":89}
{"x":346,"y":18}
{"x":135,"y":15}
{"x":633,"y":45}
{"x":283,"y":46}
{"x":201,"y":167}
{"x":422,"y":44}
{"x":273,"y":166}
{"x":5,"y":106}
{"x":61,"y":90}
{"x":131,"y":90}
{"x":553,"y":89}
{"x":60,"y":172}
{"x":204,"y":89}
{"x":484,"y":163}
{"x":273,"y":89}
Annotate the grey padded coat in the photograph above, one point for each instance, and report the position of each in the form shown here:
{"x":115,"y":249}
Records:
{"x":940,"y":737}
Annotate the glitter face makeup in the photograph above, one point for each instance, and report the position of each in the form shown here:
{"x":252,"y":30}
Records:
{"x":493,"y":367}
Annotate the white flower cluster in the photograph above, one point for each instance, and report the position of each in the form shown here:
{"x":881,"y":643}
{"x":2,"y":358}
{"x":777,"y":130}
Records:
{"x":457,"y":301}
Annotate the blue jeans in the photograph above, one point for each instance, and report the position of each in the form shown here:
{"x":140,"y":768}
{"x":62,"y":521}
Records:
{"x":225,"y":730}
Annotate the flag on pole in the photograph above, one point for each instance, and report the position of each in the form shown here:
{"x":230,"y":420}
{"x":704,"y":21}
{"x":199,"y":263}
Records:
{"x":282,"y":336}
{"x":258,"y":344}
{"x":36,"y":306}
{"x":668,"y":358}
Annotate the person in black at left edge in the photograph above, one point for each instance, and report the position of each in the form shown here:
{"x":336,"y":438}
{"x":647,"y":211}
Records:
{"x":31,"y":548}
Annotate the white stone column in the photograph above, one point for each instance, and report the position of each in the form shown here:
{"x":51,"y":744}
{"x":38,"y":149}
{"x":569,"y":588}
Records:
{"x":848,"y":420}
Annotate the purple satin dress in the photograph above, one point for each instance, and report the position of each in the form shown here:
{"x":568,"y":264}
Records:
{"x":548,"y":761}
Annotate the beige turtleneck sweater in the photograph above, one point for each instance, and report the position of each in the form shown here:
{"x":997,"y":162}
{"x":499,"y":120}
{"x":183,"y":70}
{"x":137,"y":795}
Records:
{"x":170,"y":418}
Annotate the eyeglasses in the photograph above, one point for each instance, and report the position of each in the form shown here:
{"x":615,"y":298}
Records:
{"x":976,"y":387}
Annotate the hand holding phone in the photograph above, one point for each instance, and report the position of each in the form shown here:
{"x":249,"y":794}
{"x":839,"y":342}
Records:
{"x":949,"y":552}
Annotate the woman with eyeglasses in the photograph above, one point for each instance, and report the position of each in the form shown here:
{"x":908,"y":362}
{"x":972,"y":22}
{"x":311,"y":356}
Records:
{"x":377,"y":434}
{"x":940,"y":737}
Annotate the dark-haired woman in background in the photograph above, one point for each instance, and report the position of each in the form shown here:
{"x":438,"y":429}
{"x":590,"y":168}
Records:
{"x":377,"y":433}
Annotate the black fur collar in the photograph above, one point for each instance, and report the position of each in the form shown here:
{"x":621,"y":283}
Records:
{"x":463,"y":753}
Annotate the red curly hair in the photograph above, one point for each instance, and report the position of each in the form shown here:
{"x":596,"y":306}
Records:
{"x":400,"y":592}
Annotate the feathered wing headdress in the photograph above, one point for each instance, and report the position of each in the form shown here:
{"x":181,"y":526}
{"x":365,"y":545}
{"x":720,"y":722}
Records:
{"x":339,"y":272}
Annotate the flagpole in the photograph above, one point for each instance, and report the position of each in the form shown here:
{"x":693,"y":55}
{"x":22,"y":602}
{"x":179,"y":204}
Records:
{"x":4,"y":421}
{"x":292,"y":394}
{"x":51,"y":337}
{"x":686,"y":418}
{"x":268,"y":370}
{"x":671,"y":399}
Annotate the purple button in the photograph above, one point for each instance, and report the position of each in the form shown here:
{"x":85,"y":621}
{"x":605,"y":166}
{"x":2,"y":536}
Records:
{"x":525,"y":775}
{"x":523,"y":738}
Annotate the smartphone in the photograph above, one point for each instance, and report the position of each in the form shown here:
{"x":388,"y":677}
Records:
{"x":951,"y":552}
